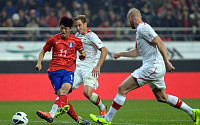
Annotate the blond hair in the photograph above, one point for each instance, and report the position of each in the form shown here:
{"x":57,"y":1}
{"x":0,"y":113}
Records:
{"x":81,"y":17}
{"x":135,"y":13}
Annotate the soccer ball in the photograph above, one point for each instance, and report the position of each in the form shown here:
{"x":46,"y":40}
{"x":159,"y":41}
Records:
{"x":20,"y":118}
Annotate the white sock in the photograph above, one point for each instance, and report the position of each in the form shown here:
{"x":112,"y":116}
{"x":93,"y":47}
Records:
{"x":97,"y":101}
{"x":119,"y":101}
{"x":54,"y":109}
{"x":176,"y":102}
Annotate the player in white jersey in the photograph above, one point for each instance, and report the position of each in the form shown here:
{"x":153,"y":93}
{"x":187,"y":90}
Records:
{"x":87,"y":71}
{"x":154,"y":53}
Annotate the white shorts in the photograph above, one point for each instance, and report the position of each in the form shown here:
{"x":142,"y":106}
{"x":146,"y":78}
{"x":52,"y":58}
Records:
{"x":151,"y":74}
{"x":84,"y":75}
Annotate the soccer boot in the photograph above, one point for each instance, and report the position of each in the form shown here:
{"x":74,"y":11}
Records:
{"x":103,"y":113}
{"x":44,"y":115}
{"x":99,"y":119}
{"x":62,"y":110}
{"x":83,"y":122}
{"x":195,"y":116}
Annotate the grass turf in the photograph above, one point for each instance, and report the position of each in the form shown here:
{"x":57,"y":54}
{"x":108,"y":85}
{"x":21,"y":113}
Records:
{"x":134,"y":112}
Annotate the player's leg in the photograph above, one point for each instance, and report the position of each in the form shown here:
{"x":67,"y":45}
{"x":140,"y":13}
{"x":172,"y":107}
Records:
{"x":54,"y":108}
{"x":70,"y":112}
{"x":73,"y":115}
{"x":55,"y":81}
{"x":94,"y":98}
{"x":67,"y":79}
{"x":63,"y":99}
{"x":78,"y":80}
{"x":49,"y":116}
{"x":61,"y":82}
{"x":126,"y":86}
{"x":62,"y":93}
{"x":174,"y":101}
{"x":90,"y":83}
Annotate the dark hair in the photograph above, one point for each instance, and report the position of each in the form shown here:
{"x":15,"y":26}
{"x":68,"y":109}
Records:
{"x":66,"y":21}
{"x":81,"y":17}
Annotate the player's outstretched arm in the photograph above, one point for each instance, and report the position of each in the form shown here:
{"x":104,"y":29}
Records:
{"x":131,"y":53}
{"x":161,"y":47}
{"x":40,"y":58}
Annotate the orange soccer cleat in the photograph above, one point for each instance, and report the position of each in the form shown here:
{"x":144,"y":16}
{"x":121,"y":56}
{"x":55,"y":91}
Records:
{"x":103,"y":113}
{"x":44,"y":115}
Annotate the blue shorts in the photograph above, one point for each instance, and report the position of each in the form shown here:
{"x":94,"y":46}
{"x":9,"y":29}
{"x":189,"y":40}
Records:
{"x":60,"y":77}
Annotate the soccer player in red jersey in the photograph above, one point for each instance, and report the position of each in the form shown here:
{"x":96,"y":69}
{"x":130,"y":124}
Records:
{"x":61,"y":68}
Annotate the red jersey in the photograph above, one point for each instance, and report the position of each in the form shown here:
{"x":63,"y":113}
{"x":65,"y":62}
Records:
{"x":64,"y":52}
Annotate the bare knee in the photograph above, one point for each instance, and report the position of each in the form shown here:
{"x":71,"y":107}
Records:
{"x":160,"y":95}
{"x":161,"y":99}
{"x":87,"y":91}
{"x":87,"y":94}
{"x":58,"y":93}
{"x":127,"y":85}
{"x":63,"y":91}
{"x":65,"y":88}
{"x":122,"y":91}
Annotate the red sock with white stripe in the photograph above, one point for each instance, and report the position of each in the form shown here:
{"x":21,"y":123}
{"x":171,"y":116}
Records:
{"x":62,"y":101}
{"x":177,"y":103}
{"x":116,"y":105}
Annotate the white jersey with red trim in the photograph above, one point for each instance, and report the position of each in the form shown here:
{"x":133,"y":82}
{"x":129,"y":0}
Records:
{"x":144,"y":36}
{"x":91,"y":45}
{"x":153,"y":69}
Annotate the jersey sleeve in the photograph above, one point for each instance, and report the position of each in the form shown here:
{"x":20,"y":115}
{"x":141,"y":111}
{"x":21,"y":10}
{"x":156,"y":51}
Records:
{"x":96,"y":41}
{"x":48,"y":45}
{"x":79,"y":45}
{"x":148,"y":33}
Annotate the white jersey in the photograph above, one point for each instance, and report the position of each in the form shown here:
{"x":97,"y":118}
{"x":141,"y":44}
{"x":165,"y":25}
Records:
{"x":153,"y":68}
{"x":144,"y":36}
{"x":91,"y":45}
{"x":83,"y":72}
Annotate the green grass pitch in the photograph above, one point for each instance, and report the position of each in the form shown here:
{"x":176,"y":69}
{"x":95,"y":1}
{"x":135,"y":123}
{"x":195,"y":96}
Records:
{"x":133,"y":112}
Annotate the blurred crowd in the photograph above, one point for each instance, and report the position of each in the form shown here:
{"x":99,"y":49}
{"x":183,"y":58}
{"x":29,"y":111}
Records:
{"x":101,"y":13}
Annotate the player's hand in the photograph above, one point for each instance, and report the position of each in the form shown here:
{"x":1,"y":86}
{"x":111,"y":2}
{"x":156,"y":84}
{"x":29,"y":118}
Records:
{"x":38,"y":67}
{"x":170,"y":67}
{"x":116,"y":55}
{"x":96,"y":71}
{"x":82,"y":56}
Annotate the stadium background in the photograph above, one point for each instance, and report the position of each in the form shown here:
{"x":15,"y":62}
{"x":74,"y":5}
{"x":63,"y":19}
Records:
{"x":26,"y":23}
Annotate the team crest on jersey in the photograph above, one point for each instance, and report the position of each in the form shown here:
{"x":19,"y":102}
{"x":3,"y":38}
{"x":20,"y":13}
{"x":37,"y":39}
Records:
{"x":71,"y":44}
{"x":83,"y":40}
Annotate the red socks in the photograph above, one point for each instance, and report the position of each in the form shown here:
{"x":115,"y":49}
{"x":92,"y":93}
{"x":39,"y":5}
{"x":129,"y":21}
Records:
{"x":72,"y":113}
{"x":62,"y":101}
